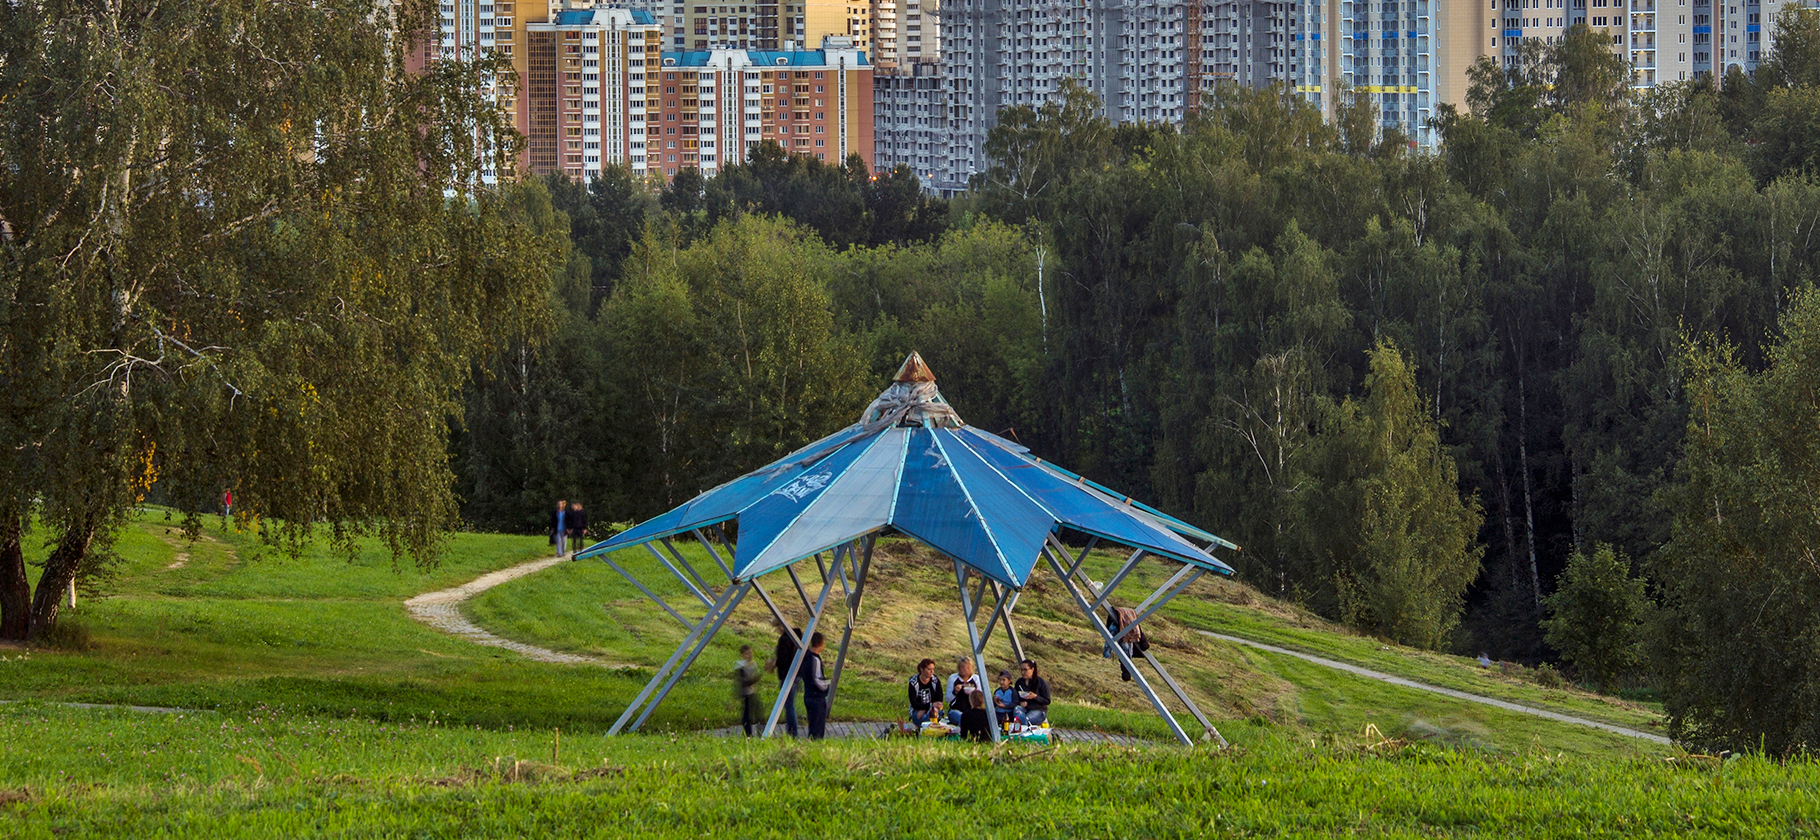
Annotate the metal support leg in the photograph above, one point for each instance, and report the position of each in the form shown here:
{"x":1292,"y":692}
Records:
{"x":713,"y":611}
{"x":1094,"y":619}
{"x":800,"y":592}
{"x":648,"y":593}
{"x":796,"y":663}
{"x":1017,"y":647}
{"x":703,"y":539}
{"x":739,"y":593}
{"x":973,"y":638}
{"x":1210,"y":733}
{"x":1118,"y":579}
{"x":782,"y":620}
{"x":685,"y":564}
{"x":679,"y":576}
{"x":1174,"y":588}
{"x":1078,"y":560}
{"x":840,"y":659}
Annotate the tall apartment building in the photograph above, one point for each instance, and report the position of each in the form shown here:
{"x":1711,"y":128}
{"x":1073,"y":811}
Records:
{"x":766,"y":24}
{"x":706,"y":109}
{"x":577,"y":71}
{"x":910,"y":124}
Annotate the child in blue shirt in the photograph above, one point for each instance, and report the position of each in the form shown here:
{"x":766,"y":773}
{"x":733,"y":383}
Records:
{"x":1004,"y":701}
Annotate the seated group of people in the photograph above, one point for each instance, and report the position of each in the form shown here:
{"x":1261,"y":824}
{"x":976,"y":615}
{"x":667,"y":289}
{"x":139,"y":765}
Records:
{"x":1024,"y":700}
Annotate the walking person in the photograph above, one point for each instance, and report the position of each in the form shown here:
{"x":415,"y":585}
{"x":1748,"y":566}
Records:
{"x":559,"y":536}
{"x":815,"y":689}
{"x":577,"y":523}
{"x":745,"y":682}
{"x":781,"y":658}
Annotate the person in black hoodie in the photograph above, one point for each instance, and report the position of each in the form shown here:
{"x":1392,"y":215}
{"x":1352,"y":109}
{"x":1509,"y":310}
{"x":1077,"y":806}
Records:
{"x":815,"y":688}
{"x":781,"y":658}
{"x":576,"y":523}
{"x":1032,"y":693}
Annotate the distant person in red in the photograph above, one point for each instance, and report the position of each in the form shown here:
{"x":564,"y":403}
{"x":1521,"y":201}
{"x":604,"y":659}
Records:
{"x":227,"y":503}
{"x":577,"y":524}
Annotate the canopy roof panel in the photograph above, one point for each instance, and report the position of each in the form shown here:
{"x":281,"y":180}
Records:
{"x":913,"y":466}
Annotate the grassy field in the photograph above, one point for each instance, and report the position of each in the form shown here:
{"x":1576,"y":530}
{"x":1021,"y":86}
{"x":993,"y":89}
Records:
{"x":269,"y":773}
{"x":316,"y":706}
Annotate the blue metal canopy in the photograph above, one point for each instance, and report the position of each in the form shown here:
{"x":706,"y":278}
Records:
{"x":911,"y":466}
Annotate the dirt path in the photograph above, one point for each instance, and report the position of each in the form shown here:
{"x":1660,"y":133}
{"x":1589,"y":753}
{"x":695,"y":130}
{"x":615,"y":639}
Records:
{"x":442,"y":610}
{"x":1457,"y":695}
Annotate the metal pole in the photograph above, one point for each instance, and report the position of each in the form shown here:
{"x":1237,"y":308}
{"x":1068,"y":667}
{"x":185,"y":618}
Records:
{"x":703,"y":539}
{"x":1081,"y":559}
{"x":739,"y":593}
{"x":800,"y":593}
{"x":679,"y":575}
{"x":1118,"y":578}
{"x":685,"y":564}
{"x":648,"y":593}
{"x":840,"y":659}
{"x":1186,"y":701}
{"x":671,"y":663}
{"x":1131,"y":667}
{"x":783,"y":692}
{"x":1017,"y":647}
{"x":775,"y":612}
{"x":1179,"y":588}
{"x":865,"y":568}
{"x":973,"y":638}
{"x":979,"y":597}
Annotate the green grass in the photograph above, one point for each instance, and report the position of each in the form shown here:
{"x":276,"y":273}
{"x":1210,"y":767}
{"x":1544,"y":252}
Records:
{"x":321,"y":708}
{"x":274,"y":773}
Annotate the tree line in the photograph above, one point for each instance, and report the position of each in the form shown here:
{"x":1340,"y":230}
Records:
{"x":1545,"y":392}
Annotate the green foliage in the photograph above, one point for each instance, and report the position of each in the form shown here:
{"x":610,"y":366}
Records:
{"x":266,"y":277}
{"x":1596,"y":615}
{"x":1380,"y":515}
{"x":1738,"y":645}
{"x":843,"y":203}
{"x":728,"y":354}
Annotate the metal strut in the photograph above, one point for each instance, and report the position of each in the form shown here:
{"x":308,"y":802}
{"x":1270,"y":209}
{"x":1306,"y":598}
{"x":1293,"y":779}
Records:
{"x":784,"y":691}
{"x":739,"y":593}
{"x":859,"y":591}
{"x":1131,"y":667}
{"x":973,"y":638}
{"x":714,"y":610}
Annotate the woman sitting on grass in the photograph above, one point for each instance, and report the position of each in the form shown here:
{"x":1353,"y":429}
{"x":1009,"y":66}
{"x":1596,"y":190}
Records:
{"x":1032,"y":693}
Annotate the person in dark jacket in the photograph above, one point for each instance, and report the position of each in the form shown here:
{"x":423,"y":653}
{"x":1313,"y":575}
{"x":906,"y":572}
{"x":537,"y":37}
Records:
{"x":1032,"y":693}
{"x":925,"y":693}
{"x":577,"y":525}
{"x":781,"y":658}
{"x":815,"y":689}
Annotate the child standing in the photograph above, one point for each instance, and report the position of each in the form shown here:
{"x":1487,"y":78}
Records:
{"x":745,"y":687}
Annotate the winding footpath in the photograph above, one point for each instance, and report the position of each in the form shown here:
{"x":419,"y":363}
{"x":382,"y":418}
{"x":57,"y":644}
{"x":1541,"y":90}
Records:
{"x":442,"y":610}
{"x":1457,"y":695}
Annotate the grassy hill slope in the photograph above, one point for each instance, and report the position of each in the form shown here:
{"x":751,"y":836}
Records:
{"x":325,"y":710}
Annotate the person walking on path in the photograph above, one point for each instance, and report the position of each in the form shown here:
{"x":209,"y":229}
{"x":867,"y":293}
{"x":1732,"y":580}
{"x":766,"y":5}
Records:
{"x":577,"y":523}
{"x":815,"y":689}
{"x":745,"y":682}
{"x":559,"y":536}
{"x":781,"y":657}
